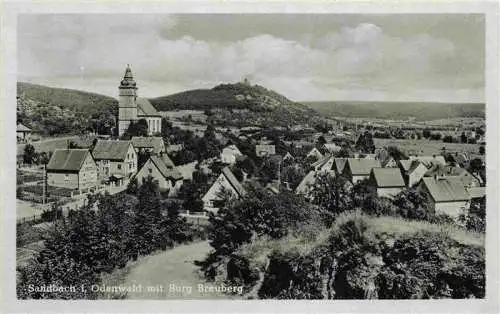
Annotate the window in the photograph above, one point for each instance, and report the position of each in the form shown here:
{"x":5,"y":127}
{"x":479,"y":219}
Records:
{"x":119,"y":166}
{"x":66,"y":177}
{"x":129,"y":166}
{"x":150,"y":170}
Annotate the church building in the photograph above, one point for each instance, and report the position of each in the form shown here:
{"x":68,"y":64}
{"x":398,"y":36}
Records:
{"x":133,"y":108}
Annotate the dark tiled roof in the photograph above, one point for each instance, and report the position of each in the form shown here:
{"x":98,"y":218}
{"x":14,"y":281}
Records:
{"x":233,"y":181}
{"x":167,"y":172}
{"x":362,"y":166}
{"x":67,"y":159}
{"x":388,"y":177}
{"x":145,"y":108}
{"x":154,"y":142}
{"x":447,"y":189}
{"x":111,"y":150}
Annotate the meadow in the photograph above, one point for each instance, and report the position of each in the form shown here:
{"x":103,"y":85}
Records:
{"x":427,"y":147}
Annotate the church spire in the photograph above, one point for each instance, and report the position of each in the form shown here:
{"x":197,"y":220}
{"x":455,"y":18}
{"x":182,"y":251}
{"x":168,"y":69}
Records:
{"x":128,"y":78}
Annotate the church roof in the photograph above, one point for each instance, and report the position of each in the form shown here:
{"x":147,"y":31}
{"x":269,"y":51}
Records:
{"x":145,"y":108}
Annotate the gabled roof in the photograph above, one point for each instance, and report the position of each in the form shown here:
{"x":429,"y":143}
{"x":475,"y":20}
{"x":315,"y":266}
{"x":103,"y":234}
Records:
{"x":232,"y":149}
{"x":447,"y":189}
{"x":304,"y":185}
{"x":233,"y":181}
{"x":339,"y":164}
{"x":405,"y":164}
{"x":154,"y":142}
{"x":145,"y":108}
{"x":414,"y":165}
{"x":167,"y":172}
{"x":110,"y":150}
{"x":388,"y":177}
{"x":315,"y":151}
{"x":362,"y":166}
{"x":22,"y":128}
{"x":67,"y":159}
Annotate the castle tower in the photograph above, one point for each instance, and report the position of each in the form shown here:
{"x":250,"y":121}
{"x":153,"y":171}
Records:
{"x":127,"y":105}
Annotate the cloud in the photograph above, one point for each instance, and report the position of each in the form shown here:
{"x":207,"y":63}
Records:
{"x":356,"y":61}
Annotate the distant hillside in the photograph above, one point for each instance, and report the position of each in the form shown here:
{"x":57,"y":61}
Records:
{"x":398,"y":110}
{"x":255,"y":104}
{"x":61,"y":111}
{"x":80,"y":101}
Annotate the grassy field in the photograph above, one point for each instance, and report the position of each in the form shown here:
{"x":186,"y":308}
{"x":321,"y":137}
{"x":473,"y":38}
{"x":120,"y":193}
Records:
{"x":427,"y":147}
{"x":48,"y":145}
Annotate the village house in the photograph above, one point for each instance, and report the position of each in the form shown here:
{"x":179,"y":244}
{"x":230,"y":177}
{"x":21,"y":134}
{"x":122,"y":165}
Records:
{"x":447,"y":195}
{"x":23,"y":133}
{"x":152,"y":144}
{"x":314,"y":153}
{"x":225,"y":183}
{"x":468,"y":180}
{"x":357,"y":169}
{"x":263,"y":150}
{"x":230,"y":154}
{"x":429,"y":161}
{"x":413,"y":171}
{"x":332,"y":148}
{"x":116,"y":160}
{"x":72,"y":169}
{"x":388,"y":182}
{"x":163,"y":171}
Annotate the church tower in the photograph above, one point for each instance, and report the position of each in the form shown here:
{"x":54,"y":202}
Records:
{"x":127,"y":111}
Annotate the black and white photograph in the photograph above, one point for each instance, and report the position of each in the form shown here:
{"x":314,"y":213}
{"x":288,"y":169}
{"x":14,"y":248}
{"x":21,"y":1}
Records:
{"x":252,"y":156}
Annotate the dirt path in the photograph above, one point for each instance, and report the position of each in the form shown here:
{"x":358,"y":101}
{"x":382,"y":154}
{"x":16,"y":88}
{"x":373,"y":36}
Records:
{"x":171,"y":275}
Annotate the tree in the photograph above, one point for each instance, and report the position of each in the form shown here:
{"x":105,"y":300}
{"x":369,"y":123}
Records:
{"x":396,"y":153}
{"x":463,"y":138}
{"x":449,"y":139}
{"x":482,"y":150}
{"x":321,"y":141}
{"x":139,"y":128}
{"x":333,"y":194}
{"x":412,"y":204}
{"x":426,"y":133}
{"x":365,"y":143}
{"x":29,"y":154}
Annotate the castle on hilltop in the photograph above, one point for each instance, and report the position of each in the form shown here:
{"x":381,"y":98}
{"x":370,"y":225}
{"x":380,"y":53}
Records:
{"x":132,"y":108}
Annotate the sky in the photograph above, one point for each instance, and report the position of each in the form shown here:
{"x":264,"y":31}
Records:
{"x":306,"y":57}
